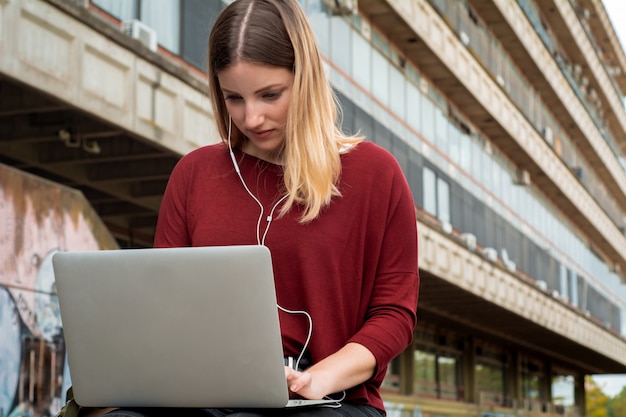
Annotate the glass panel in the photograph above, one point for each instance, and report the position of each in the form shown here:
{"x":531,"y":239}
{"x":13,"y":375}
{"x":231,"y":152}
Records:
{"x":465,"y":153}
{"x":425,"y":374}
{"x":361,"y":69}
{"x":121,"y":9}
{"x":164,"y":17}
{"x":563,"y":282}
{"x":443,"y":200}
{"x":430,"y":192}
{"x":531,"y":386}
{"x":563,"y":390}
{"x":428,"y":120}
{"x":441,"y":130}
{"x":341,"y":51}
{"x":447,"y":378}
{"x":573,"y":286}
{"x":490,"y":383}
{"x":413,"y":105}
{"x":454,"y":144}
{"x":380,"y":77}
{"x":532,"y":377}
{"x":398,"y":91}
{"x":198,"y":17}
{"x":318,"y":16}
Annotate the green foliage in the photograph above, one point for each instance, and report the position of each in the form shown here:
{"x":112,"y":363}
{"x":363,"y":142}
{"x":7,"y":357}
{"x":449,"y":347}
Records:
{"x":617,"y":405}
{"x":597,"y":401}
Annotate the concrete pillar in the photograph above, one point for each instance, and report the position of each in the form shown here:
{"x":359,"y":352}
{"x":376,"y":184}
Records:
{"x":580,"y":398}
{"x":469,"y":365}
{"x":407,"y":365}
{"x":514,"y":386}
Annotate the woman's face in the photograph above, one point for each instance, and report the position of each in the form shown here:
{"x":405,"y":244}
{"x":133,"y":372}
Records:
{"x":257,"y":98}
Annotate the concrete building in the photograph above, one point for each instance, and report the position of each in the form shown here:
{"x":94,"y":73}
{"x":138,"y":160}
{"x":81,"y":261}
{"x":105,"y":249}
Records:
{"x":506,"y":115}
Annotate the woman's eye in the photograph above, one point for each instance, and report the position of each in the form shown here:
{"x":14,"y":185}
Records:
{"x":271,"y":95}
{"x":233,"y":97}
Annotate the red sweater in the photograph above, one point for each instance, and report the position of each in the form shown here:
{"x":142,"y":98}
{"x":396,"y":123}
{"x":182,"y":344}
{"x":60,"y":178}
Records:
{"x":353,"y":269}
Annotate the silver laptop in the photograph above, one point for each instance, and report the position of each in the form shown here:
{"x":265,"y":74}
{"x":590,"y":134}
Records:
{"x":179,"y":327}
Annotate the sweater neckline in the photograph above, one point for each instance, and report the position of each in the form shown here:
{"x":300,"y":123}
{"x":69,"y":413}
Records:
{"x":245,"y":159}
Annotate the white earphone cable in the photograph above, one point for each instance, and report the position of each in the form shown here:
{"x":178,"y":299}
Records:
{"x":261,"y":240}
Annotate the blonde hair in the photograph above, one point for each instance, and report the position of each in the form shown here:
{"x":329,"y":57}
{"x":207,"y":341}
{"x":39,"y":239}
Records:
{"x":277,"y":33}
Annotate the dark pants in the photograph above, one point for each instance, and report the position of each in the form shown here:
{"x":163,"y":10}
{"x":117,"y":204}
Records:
{"x":346,"y":410}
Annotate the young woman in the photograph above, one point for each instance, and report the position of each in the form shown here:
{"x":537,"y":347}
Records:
{"x":334,"y":210}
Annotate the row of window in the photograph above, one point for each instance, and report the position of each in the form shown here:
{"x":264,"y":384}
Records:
{"x":442,"y":365}
{"x":441,"y":196}
{"x":481,"y":180}
{"x":496,"y":60}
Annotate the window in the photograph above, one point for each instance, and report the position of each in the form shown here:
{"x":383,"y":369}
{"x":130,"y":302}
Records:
{"x":573,"y":287}
{"x":380,"y":77}
{"x":436,"y":195}
{"x":413,"y":105}
{"x":121,"y":9}
{"x":361,"y":69}
{"x":425,"y":374}
{"x":318,"y":15}
{"x":391,"y":383}
{"x":429,"y":190}
{"x":341,"y":52}
{"x":563,"y":390}
{"x":161,"y":15}
{"x":490,"y":383}
{"x":489,"y":374}
{"x":447,"y":371}
{"x":164,"y":17}
{"x":443,"y":200}
{"x":397,"y":88}
{"x":198,"y":17}
{"x":436,"y":375}
{"x":182,"y":27}
{"x":532,"y":377}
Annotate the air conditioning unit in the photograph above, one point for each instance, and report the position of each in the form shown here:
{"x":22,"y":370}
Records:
{"x":548,"y":135}
{"x":342,"y":7}
{"x":465,"y":39}
{"x":142,"y":32}
{"x":584,"y":82}
{"x":491,"y":254}
{"x":508,"y":263}
{"x":522,"y":177}
{"x":470,"y":241}
{"x":578,"y":70}
{"x":424,"y":87}
{"x":542,"y":285}
{"x":366,"y":29}
{"x":579,"y":173}
{"x":615,"y":268}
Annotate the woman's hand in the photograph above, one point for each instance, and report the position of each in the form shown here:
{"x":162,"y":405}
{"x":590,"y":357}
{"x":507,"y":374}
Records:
{"x":301,"y":384}
{"x":350,"y":366}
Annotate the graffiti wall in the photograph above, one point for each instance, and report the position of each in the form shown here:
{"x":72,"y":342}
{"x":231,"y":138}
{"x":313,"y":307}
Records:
{"x":37,"y":219}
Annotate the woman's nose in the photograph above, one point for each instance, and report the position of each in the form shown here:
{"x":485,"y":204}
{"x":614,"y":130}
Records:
{"x":254,"y":116}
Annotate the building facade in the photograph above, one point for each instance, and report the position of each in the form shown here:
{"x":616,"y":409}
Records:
{"x":507,"y":117}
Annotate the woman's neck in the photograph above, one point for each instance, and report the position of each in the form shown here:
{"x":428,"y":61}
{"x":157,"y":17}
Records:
{"x":275,"y":157}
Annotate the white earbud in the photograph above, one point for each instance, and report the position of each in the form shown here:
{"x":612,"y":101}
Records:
{"x":260,"y":240}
